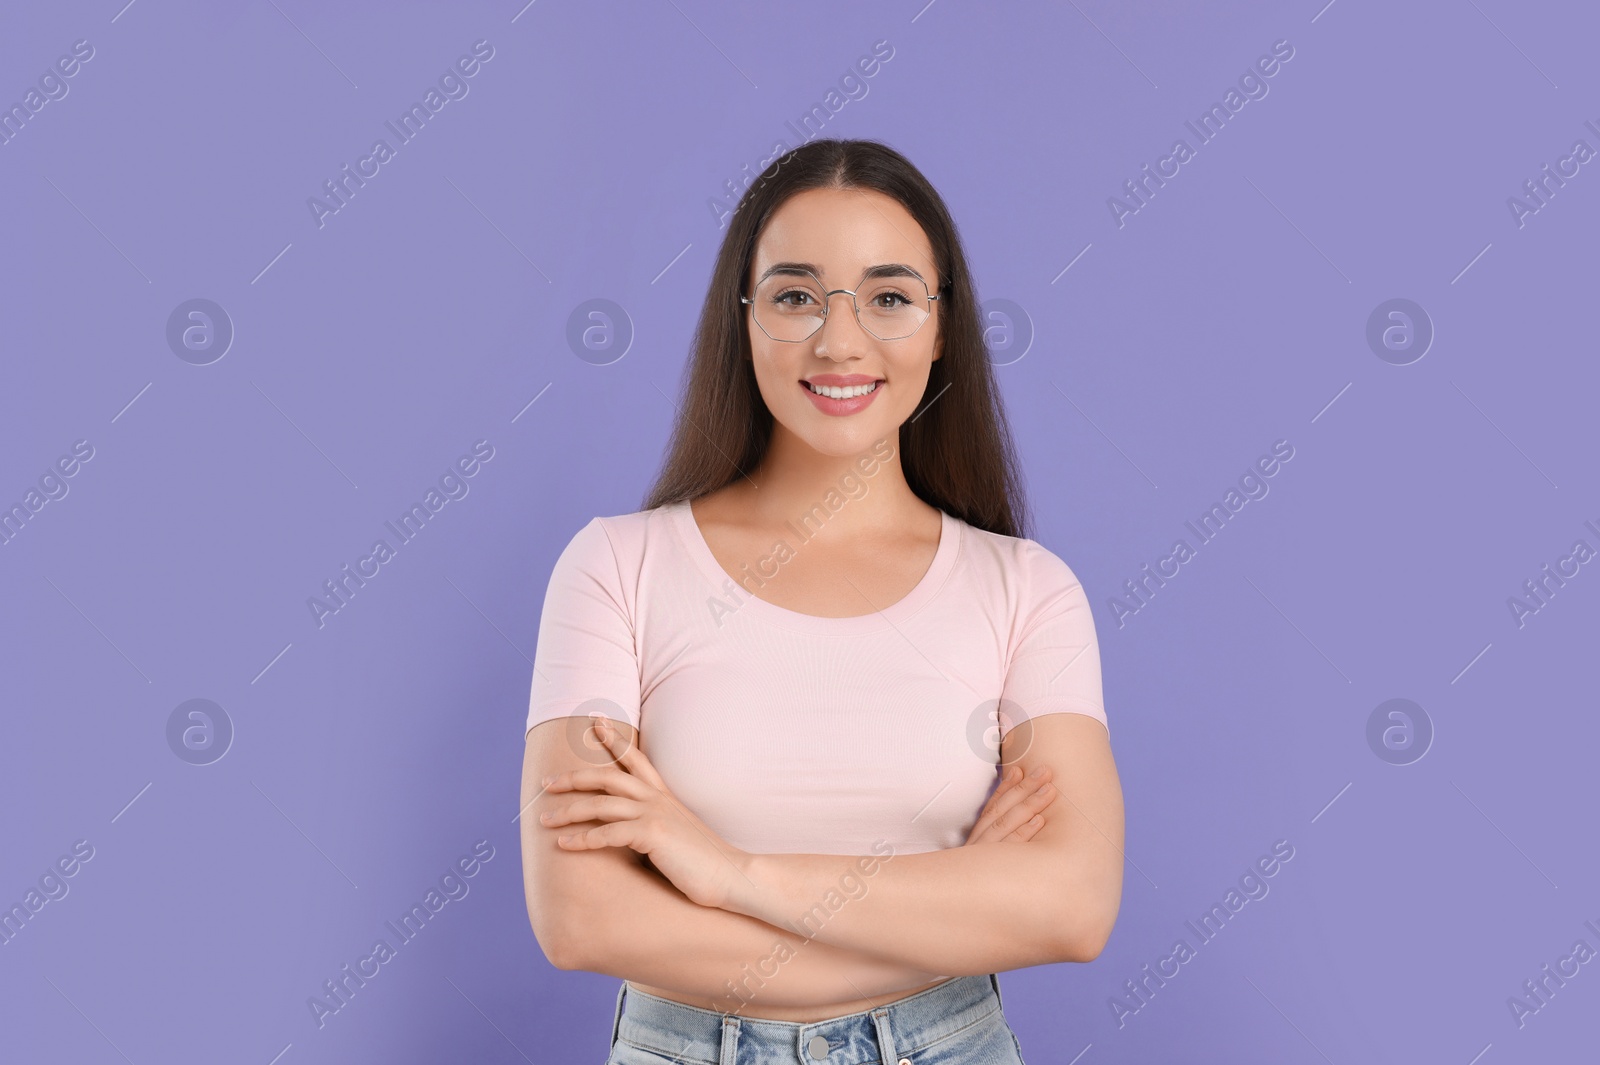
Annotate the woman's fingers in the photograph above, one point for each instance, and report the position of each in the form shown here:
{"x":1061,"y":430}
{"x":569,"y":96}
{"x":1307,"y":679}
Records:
{"x":991,"y":809}
{"x":1007,"y":798}
{"x":1024,"y":809}
{"x":989,"y":813}
{"x":616,"y":834}
{"x":630,"y":772}
{"x":600,"y":778}
{"x":1027,"y":830}
{"x":1008,"y":780}
{"x":592,"y":808}
{"x":1013,"y":803}
{"x":627,"y":754}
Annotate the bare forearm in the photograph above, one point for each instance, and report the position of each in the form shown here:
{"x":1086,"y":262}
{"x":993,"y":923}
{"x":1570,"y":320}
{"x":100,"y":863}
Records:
{"x":959,"y":911}
{"x":636,"y":925}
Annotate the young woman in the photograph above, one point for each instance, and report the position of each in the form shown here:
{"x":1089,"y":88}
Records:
{"x":793,"y":725}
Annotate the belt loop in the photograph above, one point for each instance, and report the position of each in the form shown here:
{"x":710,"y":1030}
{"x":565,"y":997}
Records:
{"x":730,"y":1040}
{"x":616,"y":1018}
{"x":995,"y":980}
{"x":880,"y":1021}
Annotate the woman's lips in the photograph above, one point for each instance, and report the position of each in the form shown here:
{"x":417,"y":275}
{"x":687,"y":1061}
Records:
{"x":841,"y":407}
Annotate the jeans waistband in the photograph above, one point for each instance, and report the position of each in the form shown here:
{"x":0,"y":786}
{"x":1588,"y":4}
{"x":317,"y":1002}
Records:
{"x":697,"y":1036}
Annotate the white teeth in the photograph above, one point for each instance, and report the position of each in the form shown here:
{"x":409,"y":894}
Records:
{"x":834,"y":392}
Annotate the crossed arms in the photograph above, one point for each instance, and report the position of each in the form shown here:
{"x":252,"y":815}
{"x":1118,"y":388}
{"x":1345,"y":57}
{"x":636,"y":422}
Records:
{"x":985,"y":907}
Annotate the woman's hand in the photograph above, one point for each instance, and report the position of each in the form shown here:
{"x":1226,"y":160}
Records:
{"x":641,"y":813}
{"x":1013,"y":812}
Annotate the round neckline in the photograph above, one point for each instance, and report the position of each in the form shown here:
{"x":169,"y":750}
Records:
{"x":741,"y":601}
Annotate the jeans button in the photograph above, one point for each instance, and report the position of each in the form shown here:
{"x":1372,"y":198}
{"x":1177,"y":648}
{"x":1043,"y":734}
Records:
{"x":818,"y":1046}
{"x":904,"y":1061}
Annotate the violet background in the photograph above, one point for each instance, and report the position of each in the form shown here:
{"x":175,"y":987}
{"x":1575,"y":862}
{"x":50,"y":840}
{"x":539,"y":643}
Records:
{"x":1230,"y":312}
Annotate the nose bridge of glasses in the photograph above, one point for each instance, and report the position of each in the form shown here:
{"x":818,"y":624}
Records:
{"x":823,"y":317}
{"x":827,"y":299}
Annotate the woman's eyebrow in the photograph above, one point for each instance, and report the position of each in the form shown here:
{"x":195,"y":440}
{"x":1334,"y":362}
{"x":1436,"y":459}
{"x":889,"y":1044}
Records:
{"x":881,"y":270}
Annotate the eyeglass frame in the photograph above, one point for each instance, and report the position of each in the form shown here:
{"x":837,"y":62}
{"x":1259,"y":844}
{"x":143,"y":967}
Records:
{"x":827,"y":296}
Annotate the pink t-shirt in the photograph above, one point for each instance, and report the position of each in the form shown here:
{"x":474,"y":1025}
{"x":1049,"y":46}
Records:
{"x":797,"y":734}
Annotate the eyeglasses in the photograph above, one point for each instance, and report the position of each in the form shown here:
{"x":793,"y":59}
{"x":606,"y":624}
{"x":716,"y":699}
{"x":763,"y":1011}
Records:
{"x":790,"y":307}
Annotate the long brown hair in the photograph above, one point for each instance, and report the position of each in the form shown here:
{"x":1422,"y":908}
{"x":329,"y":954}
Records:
{"x":957,"y":454}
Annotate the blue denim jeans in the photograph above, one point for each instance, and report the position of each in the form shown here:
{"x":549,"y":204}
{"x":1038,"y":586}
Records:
{"x":957,"y":1023}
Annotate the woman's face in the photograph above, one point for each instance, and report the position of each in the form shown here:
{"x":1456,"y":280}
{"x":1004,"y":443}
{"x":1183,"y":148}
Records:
{"x":842,"y":233}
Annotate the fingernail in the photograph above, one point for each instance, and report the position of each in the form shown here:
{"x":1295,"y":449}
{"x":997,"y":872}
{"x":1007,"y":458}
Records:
{"x":1039,"y":772}
{"x":545,"y":782}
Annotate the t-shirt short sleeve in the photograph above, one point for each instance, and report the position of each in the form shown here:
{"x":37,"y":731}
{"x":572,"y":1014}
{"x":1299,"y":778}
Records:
{"x":586,"y":660}
{"x":1055,"y":663}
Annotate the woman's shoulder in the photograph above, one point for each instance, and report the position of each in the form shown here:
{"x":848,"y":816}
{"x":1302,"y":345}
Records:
{"x":632,"y":523}
{"x":1018,"y":560}
{"x":616,"y":537}
{"x":1023,"y":580}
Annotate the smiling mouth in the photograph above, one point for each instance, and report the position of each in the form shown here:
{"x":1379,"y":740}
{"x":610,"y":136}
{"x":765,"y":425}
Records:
{"x":842,"y":392}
